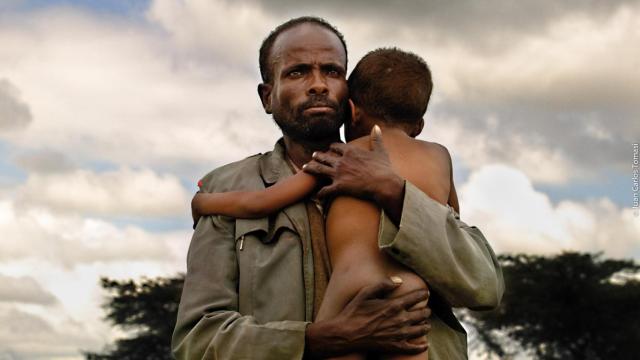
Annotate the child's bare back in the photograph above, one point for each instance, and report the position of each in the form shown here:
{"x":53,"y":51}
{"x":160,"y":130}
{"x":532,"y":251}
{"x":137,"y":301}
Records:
{"x":352,"y":224}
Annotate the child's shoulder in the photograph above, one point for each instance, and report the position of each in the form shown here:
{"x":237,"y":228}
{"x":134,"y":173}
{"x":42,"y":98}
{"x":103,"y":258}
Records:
{"x":434,"y":151}
{"x":430,"y":148}
{"x":434,"y":148}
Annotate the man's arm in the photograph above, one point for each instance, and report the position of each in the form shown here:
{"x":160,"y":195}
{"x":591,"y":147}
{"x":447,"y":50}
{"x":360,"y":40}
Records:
{"x":459,"y":263}
{"x":453,"y":257}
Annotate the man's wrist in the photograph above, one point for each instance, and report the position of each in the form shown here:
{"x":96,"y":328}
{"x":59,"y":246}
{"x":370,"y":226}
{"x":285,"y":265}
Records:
{"x":321,"y":341}
{"x":313,"y":341}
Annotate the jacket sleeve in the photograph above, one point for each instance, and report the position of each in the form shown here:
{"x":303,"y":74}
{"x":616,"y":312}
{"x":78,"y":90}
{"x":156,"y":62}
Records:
{"x":454,"y":259}
{"x":209,"y":325}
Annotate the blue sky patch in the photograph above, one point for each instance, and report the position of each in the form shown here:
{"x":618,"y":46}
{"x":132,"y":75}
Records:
{"x":124,"y":7}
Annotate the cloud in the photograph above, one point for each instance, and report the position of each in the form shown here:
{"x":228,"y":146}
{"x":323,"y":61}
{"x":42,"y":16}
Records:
{"x":14,"y":113}
{"x":25,"y":335}
{"x":24,"y":290}
{"x":125,"y":111}
{"x":207,"y":29}
{"x":122,"y":192}
{"x":44,"y":161}
{"x":560,"y":98}
{"x":515,"y":217}
{"x":109,"y":91}
{"x":488,"y":23}
{"x":51,"y":263}
{"x":543,"y":85}
{"x":556,"y":91}
{"x":72,"y":240}
{"x":477,"y":149}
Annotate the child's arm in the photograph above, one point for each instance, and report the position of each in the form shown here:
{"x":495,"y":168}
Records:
{"x":254,"y":204}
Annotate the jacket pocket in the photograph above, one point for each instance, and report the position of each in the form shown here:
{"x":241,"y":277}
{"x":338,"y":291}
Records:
{"x":268,"y":256}
{"x":266,"y":229}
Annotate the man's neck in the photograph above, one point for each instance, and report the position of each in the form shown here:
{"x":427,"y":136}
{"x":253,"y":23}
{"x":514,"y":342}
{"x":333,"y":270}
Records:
{"x":300,"y":152}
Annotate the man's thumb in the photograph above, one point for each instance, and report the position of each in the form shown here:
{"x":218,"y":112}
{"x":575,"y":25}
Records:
{"x":376,"y":138}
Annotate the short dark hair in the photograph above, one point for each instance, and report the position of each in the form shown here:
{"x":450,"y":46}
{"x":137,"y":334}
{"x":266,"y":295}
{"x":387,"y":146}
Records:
{"x":265,"y":49}
{"x":392,"y":85}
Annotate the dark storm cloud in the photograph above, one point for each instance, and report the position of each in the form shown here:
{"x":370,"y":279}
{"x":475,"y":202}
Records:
{"x":44,"y":162}
{"x":474,"y":22}
{"x":14,"y":113}
{"x":24,"y":290}
{"x":591,"y":140}
{"x":587,"y":111}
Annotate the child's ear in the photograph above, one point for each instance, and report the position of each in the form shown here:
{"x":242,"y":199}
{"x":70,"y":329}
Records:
{"x":264,"y":91}
{"x":355,"y":113}
{"x":417,"y":129}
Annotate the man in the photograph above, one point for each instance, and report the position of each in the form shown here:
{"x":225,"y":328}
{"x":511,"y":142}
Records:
{"x":253,"y":286}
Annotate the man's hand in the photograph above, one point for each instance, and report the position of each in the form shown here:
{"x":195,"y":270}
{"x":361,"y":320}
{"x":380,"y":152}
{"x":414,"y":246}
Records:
{"x":373,"y":322}
{"x":360,"y":173}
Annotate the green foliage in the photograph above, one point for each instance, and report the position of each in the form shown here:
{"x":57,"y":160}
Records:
{"x":570,"y":306}
{"x":147,"y":309}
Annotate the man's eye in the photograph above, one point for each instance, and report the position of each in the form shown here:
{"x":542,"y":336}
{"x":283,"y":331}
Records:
{"x":333,"y":73}
{"x":295,"y":73}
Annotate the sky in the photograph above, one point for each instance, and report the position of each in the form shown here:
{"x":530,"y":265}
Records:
{"x":110,"y":112}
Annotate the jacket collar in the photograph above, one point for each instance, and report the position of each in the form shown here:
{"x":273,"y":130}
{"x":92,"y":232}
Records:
{"x":273,"y":165}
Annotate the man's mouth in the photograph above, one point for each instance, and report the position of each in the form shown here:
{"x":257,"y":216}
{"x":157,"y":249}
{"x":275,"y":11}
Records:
{"x":321,"y":109}
{"x":318,"y":107}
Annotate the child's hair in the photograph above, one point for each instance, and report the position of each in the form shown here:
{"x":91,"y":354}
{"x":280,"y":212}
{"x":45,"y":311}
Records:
{"x":392,"y":85}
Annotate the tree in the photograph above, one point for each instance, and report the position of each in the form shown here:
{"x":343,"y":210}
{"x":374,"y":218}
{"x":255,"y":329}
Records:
{"x":570,"y":306}
{"x":147,"y":309}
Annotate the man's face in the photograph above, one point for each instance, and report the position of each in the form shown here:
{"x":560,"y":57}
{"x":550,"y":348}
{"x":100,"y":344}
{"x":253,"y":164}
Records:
{"x":308,"y":93}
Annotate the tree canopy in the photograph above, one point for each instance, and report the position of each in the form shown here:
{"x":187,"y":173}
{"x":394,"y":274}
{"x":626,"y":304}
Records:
{"x":569,"y":306}
{"x":147,"y":309}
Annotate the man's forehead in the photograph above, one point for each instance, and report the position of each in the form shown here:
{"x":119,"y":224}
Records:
{"x":308,"y":40}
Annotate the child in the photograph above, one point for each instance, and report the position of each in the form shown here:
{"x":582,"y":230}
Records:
{"x":390,"y":90}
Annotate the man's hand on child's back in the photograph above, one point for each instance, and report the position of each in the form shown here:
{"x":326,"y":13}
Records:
{"x":373,"y":322}
{"x":362,"y":173}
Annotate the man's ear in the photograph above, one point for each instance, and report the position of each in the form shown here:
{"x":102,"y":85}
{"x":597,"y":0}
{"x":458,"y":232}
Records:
{"x":417,"y":128}
{"x":264,"y":91}
{"x":355,"y":113}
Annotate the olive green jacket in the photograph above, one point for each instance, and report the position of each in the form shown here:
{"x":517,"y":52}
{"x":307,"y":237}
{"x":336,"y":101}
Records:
{"x":248,"y":292}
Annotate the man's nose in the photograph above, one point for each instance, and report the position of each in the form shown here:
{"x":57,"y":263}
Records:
{"x":318,"y":84}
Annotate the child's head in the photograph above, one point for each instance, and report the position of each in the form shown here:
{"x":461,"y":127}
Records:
{"x":391,"y":86}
